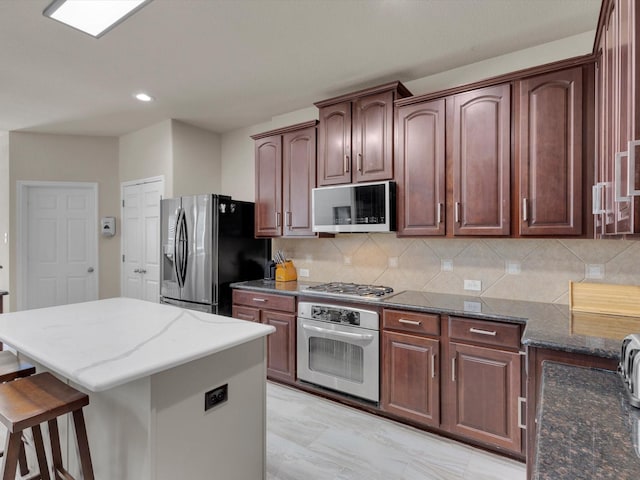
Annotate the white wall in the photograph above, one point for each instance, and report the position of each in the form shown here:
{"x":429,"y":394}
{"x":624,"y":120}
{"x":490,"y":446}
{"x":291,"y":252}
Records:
{"x":69,"y":158}
{"x":147,"y":153}
{"x":197,"y":162}
{"x":4,"y":211}
{"x":238,"y":157}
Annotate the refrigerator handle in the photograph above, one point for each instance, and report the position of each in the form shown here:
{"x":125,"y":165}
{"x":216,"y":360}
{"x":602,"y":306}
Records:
{"x":177,"y":248}
{"x":184,"y":243}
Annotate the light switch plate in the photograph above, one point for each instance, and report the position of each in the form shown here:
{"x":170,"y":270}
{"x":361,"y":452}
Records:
{"x":303,"y":272}
{"x":475,"y":285}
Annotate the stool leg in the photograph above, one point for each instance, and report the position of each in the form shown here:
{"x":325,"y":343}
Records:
{"x":22,"y":460}
{"x":56,"y":454}
{"x":83,"y":445}
{"x":40,"y":453}
{"x":11,"y":452}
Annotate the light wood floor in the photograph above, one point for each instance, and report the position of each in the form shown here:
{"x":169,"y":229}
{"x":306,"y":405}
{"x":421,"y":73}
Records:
{"x":309,"y":438}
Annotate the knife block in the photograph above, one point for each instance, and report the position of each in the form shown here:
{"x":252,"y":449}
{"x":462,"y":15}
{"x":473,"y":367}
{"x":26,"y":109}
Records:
{"x":286,"y":272}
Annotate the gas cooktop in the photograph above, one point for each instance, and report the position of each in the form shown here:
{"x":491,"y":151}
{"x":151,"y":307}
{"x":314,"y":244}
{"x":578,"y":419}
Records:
{"x":374,"y":292}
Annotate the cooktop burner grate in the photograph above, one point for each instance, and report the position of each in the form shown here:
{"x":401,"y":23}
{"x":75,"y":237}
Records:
{"x":352,"y":289}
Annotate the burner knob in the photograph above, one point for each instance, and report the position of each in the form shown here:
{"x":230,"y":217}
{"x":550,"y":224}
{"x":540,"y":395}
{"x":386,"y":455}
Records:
{"x":352,"y":318}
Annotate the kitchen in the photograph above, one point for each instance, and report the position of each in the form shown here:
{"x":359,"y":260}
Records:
{"x":517,"y":269}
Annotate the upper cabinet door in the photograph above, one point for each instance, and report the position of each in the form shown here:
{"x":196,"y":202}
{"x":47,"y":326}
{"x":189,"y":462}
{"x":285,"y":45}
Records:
{"x":334,"y":149}
{"x":299,"y":177}
{"x":550,"y":154}
{"x":373,"y":137}
{"x":420,"y":164}
{"x":481,"y":146}
{"x":268,"y":216}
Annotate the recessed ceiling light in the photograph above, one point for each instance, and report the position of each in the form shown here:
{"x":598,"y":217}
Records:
{"x":144,"y":97}
{"x":95,"y":17}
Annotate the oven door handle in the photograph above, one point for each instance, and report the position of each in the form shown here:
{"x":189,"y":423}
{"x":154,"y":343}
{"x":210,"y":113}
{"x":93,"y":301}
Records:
{"x":351,"y":336}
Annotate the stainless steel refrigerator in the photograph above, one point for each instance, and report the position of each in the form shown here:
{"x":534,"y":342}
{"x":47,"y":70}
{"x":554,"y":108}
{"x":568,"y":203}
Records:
{"x":208,"y":243}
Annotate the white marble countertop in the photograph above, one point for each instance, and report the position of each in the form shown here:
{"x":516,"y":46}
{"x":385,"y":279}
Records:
{"x":106,"y":343}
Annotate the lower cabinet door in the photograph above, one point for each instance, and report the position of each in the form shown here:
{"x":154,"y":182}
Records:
{"x":485,"y":385}
{"x":281,"y":346}
{"x":410,"y":377}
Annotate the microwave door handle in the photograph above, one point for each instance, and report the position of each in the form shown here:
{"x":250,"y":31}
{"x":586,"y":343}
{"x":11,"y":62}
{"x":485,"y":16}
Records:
{"x":347,"y":335}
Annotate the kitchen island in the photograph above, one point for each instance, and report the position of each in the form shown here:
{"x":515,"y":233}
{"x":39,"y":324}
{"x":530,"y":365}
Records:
{"x":146,"y":368}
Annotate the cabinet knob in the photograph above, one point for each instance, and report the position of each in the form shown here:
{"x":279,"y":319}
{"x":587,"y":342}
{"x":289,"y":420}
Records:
{"x":90,"y":269}
{"x":346,"y":163}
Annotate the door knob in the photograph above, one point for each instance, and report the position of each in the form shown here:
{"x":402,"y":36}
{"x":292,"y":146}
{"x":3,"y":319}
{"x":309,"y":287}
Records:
{"x":90,"y":269}
{"x":137,"y":270}
{"x":142,"y":270}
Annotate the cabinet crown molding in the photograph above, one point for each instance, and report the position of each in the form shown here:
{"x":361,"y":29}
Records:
{"x":290,"y":128}
{"x":400,"y":89}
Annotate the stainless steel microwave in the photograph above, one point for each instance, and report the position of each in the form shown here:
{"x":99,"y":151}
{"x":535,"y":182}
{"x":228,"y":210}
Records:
{"x":358,"y":207}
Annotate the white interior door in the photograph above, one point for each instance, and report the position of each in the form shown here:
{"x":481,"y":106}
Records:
{"x":61,"y":241}
{"x":141,"y":240}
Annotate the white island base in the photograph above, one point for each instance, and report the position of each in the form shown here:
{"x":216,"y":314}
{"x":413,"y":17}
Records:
{"x":156,"y":427}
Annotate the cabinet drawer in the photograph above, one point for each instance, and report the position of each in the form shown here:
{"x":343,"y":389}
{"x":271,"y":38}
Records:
{"x":246,"y":313}
{"x":483,"y":332}
{"x":426,"y":323}
{"x":284,"y":303}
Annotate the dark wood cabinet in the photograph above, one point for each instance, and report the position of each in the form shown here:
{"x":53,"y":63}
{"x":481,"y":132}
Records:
{"x":486,"y":389}
{"x":281,"y":345}
{"x":479,"y":129}
{"x":268,"y":213}
{"x":482,"y":382}
{"x":355,"y":135}
{"x":617,"y":201}
{"x":411,"y":366}
{"x":411,"y":377}
{"x":285,"y":164}
{"x":299,"y":177}
{"x":334,"y":144}
{"x":373,"y":137}
{"x":549,"y":153}
{"x":280,"y":312}
{"x":420,"y":168}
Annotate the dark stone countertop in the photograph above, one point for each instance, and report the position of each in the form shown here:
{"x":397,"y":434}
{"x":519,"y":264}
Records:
{"x":3,"y":293}
{"x":550,"y":326}
{"x":587,"y":430}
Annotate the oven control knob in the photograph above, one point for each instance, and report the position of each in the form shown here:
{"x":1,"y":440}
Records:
{"x":352,"y":318}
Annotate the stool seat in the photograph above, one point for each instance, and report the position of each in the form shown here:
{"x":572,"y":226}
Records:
{"x":42,"y":398}
{"x":11,"y":367}
{"x":37,"y":399}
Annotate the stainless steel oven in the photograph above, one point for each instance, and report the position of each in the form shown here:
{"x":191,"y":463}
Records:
{"x":338,"y":348}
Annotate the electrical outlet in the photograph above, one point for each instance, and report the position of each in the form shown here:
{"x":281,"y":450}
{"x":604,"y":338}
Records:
{"x":593,"y":270}
{"x":446,"y":265}
{"x":347,"y":260}
{"x":303,"y":272}
{"x":475,"y":285}
{"x":475,"y":307}
{"x":393,"y":262}
{"x":512,"y":268}
{"x":216,"y":396}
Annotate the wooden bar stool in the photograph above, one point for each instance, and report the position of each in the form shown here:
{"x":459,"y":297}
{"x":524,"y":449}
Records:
{"x":11,"y":367}
{"x":28,"y":402}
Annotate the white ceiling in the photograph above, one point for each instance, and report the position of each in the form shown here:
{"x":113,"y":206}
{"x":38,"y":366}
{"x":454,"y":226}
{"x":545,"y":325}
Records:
{"x":225,"y":64}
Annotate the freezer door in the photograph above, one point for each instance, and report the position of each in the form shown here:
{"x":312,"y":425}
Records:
{"x":190,"y":306}
{"x":197,"y":285}
{"x":170,"y":210}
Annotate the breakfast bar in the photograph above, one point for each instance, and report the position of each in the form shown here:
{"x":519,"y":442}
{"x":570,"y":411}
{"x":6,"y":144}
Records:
{"x":173,"y":392}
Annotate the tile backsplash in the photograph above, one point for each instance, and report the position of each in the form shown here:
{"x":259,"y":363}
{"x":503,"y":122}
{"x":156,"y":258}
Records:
{"x":518,"y":269}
